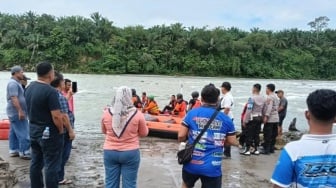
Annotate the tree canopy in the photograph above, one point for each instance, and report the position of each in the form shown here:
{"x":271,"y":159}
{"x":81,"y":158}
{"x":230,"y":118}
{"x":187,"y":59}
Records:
{"x":94,"y":45}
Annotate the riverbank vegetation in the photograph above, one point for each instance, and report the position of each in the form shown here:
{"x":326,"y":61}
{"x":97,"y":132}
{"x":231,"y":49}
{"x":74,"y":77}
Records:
{"x":95,"y":45}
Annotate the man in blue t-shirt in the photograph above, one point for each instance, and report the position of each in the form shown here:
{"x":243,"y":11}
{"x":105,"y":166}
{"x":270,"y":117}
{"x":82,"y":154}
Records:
{"x":207,"y":156}
{"x":311,"y":161}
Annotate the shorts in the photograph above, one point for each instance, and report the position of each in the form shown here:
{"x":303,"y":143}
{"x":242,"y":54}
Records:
{"x":207,"y":182}
{"x":281,"y":121}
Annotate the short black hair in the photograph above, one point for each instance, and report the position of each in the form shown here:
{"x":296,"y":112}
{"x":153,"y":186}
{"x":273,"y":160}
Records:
{"x":43,"y":68}
{"x":226,"y":85}
{"x":257,"y":86}
{"x":210,"y":94}
{"x":57,"y":80}
{"x":271,"y":87}
{"x":322,"y":104}
{"x":179,"y":96}
{"x":67,"y":80}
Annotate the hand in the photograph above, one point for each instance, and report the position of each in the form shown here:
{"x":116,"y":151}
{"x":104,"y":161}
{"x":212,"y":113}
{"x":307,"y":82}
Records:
{"x":265,"y":120}
{"x":61,"y":130}
{"x":72,"y":135}
{"x":21,"y":115}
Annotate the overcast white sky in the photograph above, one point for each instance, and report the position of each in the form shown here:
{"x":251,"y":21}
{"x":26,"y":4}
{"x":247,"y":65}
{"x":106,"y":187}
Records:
{"x":244,"y":14}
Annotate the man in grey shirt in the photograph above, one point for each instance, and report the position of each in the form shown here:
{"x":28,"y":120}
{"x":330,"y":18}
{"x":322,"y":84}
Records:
{"x":19,"y":143}
{"x":271,"y":119}
{"x":282,"y":110}
{"x":253,"y":119}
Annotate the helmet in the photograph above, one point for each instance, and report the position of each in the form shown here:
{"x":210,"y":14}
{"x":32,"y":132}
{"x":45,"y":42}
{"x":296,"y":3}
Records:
{"x":195,"y":94}
{"x":151,"y":97}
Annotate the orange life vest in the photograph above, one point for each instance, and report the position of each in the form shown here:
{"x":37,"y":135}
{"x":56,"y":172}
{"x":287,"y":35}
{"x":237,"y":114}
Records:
{"x":197,"y":104}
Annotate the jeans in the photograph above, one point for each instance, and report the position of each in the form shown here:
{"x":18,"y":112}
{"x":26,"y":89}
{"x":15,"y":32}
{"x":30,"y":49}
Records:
{"x":46,"y":153}
{"x":65,"y":155}
{"x":19,"y":136}
{"x":124,"y":163}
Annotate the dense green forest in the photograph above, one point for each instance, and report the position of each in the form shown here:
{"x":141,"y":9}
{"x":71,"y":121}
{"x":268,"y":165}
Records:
{"x":95,"y":45}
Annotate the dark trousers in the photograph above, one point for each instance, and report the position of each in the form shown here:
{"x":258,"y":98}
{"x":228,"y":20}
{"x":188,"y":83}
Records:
{"x":227,"y":149}
{"x":253,"y":130}
{"x":243,"y":135}
{"x":270,"y":133}
{"x":45,"y":153}
{"x":67,"y":145}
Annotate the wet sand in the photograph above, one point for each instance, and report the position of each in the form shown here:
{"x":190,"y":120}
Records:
{"x":158,"y":168}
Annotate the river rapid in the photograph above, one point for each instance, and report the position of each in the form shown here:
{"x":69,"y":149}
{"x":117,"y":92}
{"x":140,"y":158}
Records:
{"x":96,"y":91}
{"x":158,"y":166}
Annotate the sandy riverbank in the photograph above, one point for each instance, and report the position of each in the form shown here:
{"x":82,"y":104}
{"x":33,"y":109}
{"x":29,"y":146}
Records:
{"x":158,"y":169}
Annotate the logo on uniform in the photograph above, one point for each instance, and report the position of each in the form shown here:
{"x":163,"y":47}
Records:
{"x":320,"y":169}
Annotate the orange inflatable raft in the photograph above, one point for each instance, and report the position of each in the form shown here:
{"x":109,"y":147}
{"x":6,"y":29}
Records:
{"x":4,"y":129}
{"x":163,"y":125}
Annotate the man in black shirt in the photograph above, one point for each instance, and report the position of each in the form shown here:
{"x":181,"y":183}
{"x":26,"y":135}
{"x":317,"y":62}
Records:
{"x":44,"y":113}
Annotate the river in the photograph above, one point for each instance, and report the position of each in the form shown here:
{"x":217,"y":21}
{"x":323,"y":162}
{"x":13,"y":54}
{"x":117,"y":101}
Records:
{"x":96,"y":91}
{"x":85,"y":166}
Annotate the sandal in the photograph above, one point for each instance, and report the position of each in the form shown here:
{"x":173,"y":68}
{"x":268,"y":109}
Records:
{"x":65,"y":182}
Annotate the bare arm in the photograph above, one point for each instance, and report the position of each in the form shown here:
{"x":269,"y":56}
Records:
{"x":281,"y":108}
{"x":143,"y":129}
{"x":57,"y":117}
{"x":232,"y":140}
{"x":17,"y":106}
{"x":276,"y":186}
{"x":103,"y":126}
{"x":67,"y":125}
{"x":182,"y":134}
{"x":226,"y":110}
{"x":69,"y":94}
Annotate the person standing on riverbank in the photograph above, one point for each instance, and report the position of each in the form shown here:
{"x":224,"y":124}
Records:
{"x":270,"y":120}
{"x":282,"y":110}
{"x":122,"y":125}
{"x":46,"y":128}
{"x":19,"y":143}
{"x":68,"y":94}
{"x":68,"y":119}
{"x":227,"y":105}
{"x":207,"y":156}
{"x":311,"y":161}
{"x":253,"y":120}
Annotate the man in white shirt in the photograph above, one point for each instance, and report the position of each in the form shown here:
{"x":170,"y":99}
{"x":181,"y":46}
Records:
{"x":311,"y":161}
{"x":227,"y":105}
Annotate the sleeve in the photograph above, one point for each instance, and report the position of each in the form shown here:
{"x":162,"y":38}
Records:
{"x":53,"y":101}
{"x":187,"y":120}
{"x":284,"y":170}
{"x":227,"y":103}
{"x":269,"y":104}
{"x":230,"y":129}
{"x":248,"y":111}
{"x":150,"y":106}
{"x":143,"y":129}
{"x":12,"y":89}
{"x":63,"y":104}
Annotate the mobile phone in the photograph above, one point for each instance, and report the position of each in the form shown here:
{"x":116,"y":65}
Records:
{"x":74,"y":87}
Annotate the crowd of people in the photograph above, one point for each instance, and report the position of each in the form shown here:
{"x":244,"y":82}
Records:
{"x":47,"y":138}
